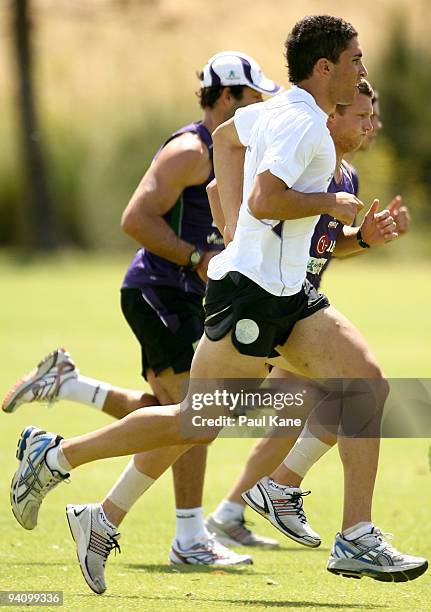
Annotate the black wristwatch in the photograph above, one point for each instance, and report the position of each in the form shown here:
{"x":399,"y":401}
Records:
{"x":194,"y":259}
{"x":361,"y":242}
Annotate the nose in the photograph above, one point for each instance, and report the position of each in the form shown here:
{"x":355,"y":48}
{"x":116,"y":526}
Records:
{"x":363,"y":71}
{"x":367,"y":125}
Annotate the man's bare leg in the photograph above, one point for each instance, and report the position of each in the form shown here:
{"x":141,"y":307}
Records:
{"x":344,"y":354}
{"x":188,"y":470}
{"x":150,"y":428}
{"x":121,"y":402}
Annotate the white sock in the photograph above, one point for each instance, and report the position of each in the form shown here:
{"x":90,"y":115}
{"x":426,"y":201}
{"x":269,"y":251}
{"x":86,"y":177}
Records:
{"x":86,"y":391}
{"x":57,"y":461}
{"x":358,"y":530}
{"x":129,"y":487}
{"x":190,"y":526}
{"x":306,"y":451}
{"x":228,"y":511}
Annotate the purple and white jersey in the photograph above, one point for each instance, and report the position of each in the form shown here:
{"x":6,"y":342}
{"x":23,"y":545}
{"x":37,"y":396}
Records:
{"x":328,"y":229}
{"x":190,"y":218}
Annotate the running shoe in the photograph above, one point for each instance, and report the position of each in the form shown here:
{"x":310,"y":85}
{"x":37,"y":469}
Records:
{"x":95,"y":538}
{"x":206,"y":552}
{"x":236,"y":533}
{"x":372,"y":556}
{"x":282,"y":506}
{"x":43,"y":383}
{"x":34,"y":478}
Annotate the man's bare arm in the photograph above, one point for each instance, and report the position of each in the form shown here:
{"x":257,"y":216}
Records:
{"x":229,"y":154}
{"x":183,"y":162}
{"x":271,"y":199}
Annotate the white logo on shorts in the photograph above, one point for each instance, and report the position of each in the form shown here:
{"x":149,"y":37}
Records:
{"x":246,"y":331}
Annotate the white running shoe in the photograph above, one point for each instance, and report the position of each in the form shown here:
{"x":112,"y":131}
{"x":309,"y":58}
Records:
{"x":43,"y":383}
{"x":33,"y":478}
{"x":206,"y":552}
{"x":235,"y":533}
{"x":94,"y":539}
{"x":282,"y":507}
{"x":371,"y":555}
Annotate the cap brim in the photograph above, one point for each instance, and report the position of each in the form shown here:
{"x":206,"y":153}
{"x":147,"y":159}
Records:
{"x":266,"y":86}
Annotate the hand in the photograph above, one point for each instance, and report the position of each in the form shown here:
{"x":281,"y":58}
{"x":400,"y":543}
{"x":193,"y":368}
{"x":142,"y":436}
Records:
{"x":346,"y":207}
{"x":400,"y":215}
{"x":378,"y":227}
{"x":202,"y":268}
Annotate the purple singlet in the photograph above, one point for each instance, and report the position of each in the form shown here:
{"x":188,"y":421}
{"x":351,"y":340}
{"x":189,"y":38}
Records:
{"x":328,"y":229}
{"x":190,"y":218}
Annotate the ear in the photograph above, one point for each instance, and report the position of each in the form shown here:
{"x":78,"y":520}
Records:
{"x":323,"y":67}
{"x":331,"y":119}
{"x":226,"y":96}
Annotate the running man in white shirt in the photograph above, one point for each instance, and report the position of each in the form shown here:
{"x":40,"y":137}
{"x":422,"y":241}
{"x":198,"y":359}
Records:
{"x":258,"y":300}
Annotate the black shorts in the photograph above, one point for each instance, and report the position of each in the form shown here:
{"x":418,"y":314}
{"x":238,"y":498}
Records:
{"x":259,"y":320}
{"x":167,"y":322}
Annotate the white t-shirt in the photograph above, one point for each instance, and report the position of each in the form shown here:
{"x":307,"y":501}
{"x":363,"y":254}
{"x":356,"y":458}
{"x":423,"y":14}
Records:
{"x":286,"y":135}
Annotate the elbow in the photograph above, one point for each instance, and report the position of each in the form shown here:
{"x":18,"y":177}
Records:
{"x":258,"y":206}
{"x":127,"y":223}
{"x":211,"y":188}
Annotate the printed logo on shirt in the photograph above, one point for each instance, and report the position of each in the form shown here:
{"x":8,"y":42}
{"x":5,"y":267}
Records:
{"x":247,"y":331}
{"x":322,"y":244}
{"x":315,"y":265}
{"x":333,"y":224}
{"x":214,"y":239}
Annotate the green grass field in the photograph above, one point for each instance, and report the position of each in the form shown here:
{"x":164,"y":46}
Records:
{"x":73,"y":301}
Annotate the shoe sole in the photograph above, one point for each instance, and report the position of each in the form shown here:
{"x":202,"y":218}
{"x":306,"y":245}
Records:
{"x":381,"y":576}
{"x":22,"y":452}
{"x":24,"y":384}
{"x":81,"y":545}
{"x":290,"y":534}
{"x":177,"y":559}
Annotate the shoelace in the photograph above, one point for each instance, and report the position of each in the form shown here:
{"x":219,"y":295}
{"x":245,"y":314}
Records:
{"x":216,"y":548}
{"x":295,"y":501}
{"x":65,"y":366}
{"x":52,"y":482}
{"x":383,"y":537}
{"x":103,"y":544}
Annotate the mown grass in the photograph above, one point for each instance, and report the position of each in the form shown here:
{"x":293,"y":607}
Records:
{"x":73,"y":300}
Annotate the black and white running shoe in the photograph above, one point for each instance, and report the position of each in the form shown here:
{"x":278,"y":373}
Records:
{"x":282,"y":506}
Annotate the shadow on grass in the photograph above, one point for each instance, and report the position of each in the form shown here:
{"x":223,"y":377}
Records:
{"x":250,"y":603}
{"x":295,"y":549}
{"x":269,"y":603}
{"x":153,"y":568}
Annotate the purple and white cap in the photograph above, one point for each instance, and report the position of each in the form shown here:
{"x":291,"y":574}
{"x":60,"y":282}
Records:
{"x":230,"y":68}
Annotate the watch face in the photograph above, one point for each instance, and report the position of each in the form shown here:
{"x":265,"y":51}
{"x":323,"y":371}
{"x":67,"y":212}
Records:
{"x":195,"y":258}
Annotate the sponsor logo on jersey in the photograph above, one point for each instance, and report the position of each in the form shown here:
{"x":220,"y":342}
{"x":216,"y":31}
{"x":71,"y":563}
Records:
{"x":214,"y":239}
{"x":322,"y":244}
{"x":333,"y":224}
{"x":315,"y":265}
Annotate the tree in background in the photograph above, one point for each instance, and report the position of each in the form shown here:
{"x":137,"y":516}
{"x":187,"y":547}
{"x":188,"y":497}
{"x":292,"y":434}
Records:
{"x":37,"y":220}
{"x":404,"y":82}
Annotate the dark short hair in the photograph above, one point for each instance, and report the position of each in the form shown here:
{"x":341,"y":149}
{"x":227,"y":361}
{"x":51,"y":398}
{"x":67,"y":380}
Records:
{"x":312,"y":38}
{"x":365,"y":89}
{"x":208,"y":96}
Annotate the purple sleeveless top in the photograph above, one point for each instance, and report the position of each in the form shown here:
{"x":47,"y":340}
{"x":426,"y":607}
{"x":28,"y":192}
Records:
{"x":328,"y":229}
{"x":190,"y":218}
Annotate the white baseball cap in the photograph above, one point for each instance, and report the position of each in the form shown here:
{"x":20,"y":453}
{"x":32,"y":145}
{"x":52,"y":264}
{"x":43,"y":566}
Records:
{"x":230,"y":68}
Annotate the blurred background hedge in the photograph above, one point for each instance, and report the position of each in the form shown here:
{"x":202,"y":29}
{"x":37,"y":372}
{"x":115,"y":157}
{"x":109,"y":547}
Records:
{"x":113,"y":78}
